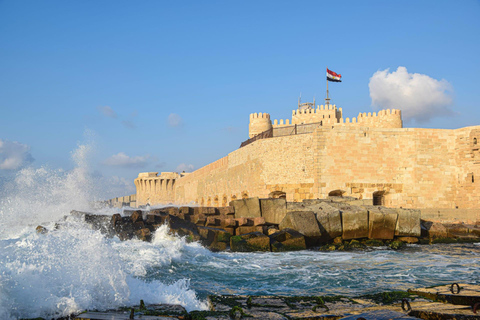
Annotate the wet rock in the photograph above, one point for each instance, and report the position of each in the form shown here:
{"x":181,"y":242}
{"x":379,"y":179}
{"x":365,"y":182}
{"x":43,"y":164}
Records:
{"x":210,"y":236}
{"x":156,"y":218}
{"x":373,"y":243}
{"x":408,"y":223}
{"x":183,"y":228}
{"x":396,"y":244}
{"x":287,"y":240}
{"x":136,"y":216}
{"x":41,"y":230}
{"x":255,"y":241}
{"x":273,"y":210}
{"x":304,"y":222}
{"x":381,"y":225}
{"x":144,"y":234}
{"x":408,"y":239}
{"x":354,"y":221}
{"x":247,"y":208}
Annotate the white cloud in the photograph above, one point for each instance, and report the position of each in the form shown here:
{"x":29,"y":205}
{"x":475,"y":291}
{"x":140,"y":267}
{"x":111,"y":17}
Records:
{"x":174,"y":120}
{"x":122,"y":160}
{"x":14,"y":155}
{"x":419,"y":96}
{"x":107,"y":112}
{"x":185,"y":167}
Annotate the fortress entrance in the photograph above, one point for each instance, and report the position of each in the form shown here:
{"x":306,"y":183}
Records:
{"x":379,"y":198}
{"x":277,"y":195}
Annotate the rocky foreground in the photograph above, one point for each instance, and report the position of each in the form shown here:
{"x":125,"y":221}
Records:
{"x":274,"y":225}
{"x":455,"y":301}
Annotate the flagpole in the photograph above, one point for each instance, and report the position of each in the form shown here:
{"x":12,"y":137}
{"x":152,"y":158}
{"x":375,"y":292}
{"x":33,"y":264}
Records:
{"x":327,"y":100}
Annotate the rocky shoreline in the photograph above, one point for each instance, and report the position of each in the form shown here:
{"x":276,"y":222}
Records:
{"x":425,"y":303}
{"x":274,"y":225}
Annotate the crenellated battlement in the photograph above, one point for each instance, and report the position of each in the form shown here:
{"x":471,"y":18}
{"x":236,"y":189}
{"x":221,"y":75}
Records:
{"x":383,"y":119}
{"x":259,"y":116}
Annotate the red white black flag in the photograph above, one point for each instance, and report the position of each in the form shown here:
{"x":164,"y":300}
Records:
{"x":332,"y":76}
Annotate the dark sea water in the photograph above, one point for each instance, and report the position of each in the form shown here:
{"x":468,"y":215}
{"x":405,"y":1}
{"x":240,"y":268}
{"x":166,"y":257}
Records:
{"x":75,"y":268}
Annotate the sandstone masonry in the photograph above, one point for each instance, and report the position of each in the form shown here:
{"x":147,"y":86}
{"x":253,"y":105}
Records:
{"x":318,"y":154}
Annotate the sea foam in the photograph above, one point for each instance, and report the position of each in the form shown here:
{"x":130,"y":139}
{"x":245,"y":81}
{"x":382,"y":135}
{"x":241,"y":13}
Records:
{"x":72,"y":268}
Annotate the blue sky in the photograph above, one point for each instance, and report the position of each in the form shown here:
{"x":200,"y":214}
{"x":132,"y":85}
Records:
{"x":167,"y":85}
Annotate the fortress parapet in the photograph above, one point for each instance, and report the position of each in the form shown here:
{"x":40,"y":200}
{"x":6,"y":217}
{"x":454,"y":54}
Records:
{"x":156,"y":189}
{"x":383,"y":119}
{"x":259,"y":122}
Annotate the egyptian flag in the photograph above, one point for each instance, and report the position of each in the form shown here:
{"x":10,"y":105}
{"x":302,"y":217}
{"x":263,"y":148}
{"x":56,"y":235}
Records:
{"x":332,"y":76}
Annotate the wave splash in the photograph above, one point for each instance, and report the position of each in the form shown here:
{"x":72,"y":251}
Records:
{"x":72,"y":267}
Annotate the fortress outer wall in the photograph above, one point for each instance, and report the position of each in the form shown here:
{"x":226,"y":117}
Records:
{"x":283,"y":164}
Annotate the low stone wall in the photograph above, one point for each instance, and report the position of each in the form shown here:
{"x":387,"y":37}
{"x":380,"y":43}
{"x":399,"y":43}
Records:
{"x":451,"y":215}
{"x":119,"y":202}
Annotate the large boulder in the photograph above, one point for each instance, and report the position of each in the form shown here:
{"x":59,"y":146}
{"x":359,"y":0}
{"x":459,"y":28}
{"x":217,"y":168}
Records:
{"x":287,"y":240}
{"x":304,"y":222}
{"x":247,"y":208}
{"x":183,"y":228}
{"x":329,"y":221}
{"x":354,"y":221}
{"x":408,"y":223}
{"x":273,"y":210}
{"x":381,"y":225}
{"x":213,"y":238}
{"x":434,"y":229}
{"x":255,"y":241}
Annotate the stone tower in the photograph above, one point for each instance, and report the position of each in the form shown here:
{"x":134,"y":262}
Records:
{"x":259,"y":122}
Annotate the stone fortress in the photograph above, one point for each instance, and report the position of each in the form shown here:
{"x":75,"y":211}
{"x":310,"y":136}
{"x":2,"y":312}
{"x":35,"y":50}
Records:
{"x":318,"y":154}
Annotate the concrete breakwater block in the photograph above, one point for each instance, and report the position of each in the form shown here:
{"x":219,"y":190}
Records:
{"x":381,"y":226}
{"x":408,"y":223}
{"x":287,"y":240}
{"x":354,"y":222}
{"x":254,"y":241}
{"x":330,"y":222}
{"x":304,"y":222}
{"x":247,"y":208}
{"x":273,"y":210}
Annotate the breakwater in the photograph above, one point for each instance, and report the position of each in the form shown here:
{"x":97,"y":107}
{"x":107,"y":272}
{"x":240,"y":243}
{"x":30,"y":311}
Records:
{"x":254,"y":224}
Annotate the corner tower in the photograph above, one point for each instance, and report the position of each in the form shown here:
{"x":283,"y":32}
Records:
{"x":259,"y":122}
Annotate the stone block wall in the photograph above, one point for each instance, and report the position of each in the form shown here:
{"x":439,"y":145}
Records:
{"x":278,"y":165}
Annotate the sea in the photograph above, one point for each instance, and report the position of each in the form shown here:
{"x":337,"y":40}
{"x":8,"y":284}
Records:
{"x":73,"y":268}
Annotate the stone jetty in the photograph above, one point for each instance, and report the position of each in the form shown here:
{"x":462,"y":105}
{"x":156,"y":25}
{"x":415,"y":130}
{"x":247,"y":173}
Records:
{"x":423,"y":303}
{"x":255,"y":224}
